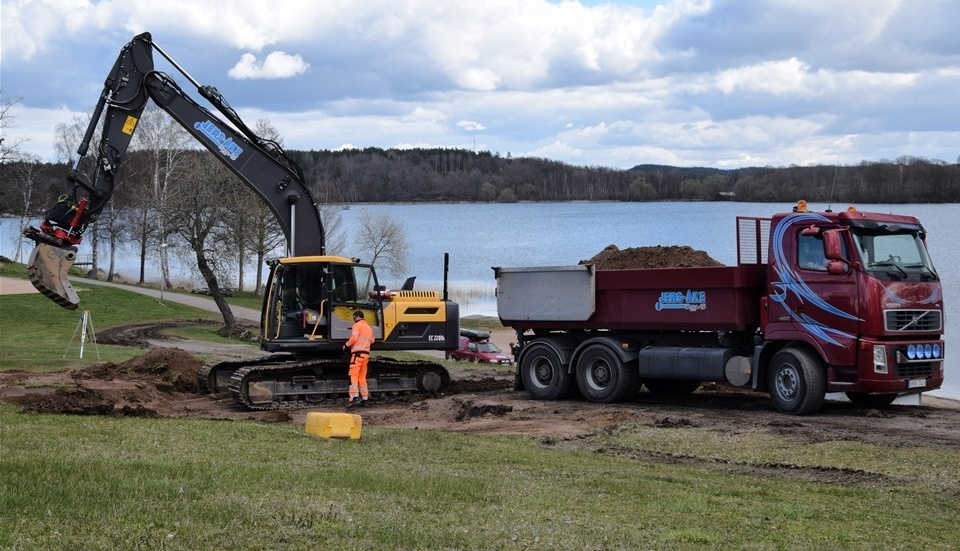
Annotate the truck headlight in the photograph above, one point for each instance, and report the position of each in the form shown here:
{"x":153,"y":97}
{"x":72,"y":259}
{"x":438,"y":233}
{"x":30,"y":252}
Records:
{"x":880,"y":358}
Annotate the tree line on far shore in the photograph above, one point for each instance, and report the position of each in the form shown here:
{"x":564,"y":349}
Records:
{"x":374,"y":175}
{"x":438,"y":175}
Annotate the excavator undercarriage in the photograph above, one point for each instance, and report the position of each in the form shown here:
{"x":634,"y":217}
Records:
{"x":288,"y":382}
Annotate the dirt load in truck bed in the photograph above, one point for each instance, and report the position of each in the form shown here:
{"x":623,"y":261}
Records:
{"x":675,"y":256}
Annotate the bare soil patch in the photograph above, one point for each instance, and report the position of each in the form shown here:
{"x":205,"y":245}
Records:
{"x":162,"y":383}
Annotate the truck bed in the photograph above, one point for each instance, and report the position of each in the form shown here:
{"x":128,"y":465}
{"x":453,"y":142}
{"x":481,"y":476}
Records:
{"x":715,"y":298}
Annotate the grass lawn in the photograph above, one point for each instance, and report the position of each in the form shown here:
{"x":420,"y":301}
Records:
{"x":109,"y":483}
{"x":71,"y":482}
{"x":37,"y":335}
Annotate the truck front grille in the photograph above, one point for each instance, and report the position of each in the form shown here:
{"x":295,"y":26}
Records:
{"x":913,"y":321}
{"x":917,"y":369}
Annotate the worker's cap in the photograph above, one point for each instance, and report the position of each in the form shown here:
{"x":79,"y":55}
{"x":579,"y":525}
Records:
{"x":358,"y":315}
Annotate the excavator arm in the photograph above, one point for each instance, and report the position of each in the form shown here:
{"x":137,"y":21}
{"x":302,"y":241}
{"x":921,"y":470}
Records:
{"x":259,"y":163}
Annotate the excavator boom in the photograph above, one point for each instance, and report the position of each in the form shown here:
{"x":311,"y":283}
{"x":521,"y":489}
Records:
{"x":130,"y":85}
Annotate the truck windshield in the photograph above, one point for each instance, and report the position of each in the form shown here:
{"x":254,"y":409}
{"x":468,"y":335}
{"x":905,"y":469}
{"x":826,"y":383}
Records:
{"x":895,"y":254}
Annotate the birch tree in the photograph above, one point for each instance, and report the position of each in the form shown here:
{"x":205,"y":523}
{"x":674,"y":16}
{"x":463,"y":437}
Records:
{"x":165,"y":144}
{"x":382,"y":240}
{"x":195,"y":211}
{"x":9,"y":146}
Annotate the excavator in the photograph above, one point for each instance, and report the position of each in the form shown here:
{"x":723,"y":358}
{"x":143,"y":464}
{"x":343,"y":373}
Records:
{"x":310,"y":296}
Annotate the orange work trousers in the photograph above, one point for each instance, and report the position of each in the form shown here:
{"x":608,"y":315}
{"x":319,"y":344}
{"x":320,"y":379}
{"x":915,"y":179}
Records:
{"x":358,"y":376}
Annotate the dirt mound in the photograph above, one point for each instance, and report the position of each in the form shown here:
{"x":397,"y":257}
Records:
{"x":168,"y":369}
{"x":84,"y":401}
{"x":144,"y":386}
{"x":675,"y":256}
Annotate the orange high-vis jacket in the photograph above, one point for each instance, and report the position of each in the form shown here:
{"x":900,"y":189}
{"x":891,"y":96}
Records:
{"x":361,"y":337}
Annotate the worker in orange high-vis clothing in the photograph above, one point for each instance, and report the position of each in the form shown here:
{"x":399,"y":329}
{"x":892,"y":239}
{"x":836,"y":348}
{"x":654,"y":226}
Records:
{"x":361,"y":338}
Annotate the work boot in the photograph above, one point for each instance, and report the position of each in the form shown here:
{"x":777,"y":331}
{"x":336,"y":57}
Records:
{"x":363,"y":403}
{"x":352,"y":403}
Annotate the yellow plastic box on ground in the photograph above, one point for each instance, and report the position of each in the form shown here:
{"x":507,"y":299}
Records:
{"x":334,"y":425}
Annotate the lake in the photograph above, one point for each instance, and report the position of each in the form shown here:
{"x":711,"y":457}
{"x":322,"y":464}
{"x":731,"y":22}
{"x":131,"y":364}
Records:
{"x":480,"y":236}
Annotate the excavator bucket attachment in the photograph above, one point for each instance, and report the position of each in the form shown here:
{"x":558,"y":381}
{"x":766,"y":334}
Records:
{"x":47,"y":269}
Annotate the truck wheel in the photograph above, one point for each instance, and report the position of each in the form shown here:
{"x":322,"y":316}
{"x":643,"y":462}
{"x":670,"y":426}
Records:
{"x":603,"y":378}
{"x":671,"y":388}
{"x":544,"y":377}
{"x":871,"y":400}
{"x":796,"y":381}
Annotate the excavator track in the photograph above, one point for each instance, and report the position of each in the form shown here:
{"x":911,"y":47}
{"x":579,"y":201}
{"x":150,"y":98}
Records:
{"x":266,"y":384}
{"x":216,"y":376}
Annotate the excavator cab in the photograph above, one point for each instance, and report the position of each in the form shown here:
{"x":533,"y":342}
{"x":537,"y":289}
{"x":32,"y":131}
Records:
{"x":311,"y":300}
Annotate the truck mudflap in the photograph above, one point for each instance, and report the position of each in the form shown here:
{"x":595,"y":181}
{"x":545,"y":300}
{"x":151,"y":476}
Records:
{"x":263,"y":385}
{"x":48,"y":269}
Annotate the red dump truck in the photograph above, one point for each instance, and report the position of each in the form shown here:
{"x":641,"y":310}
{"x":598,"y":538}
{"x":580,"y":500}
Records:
{"x":818,"y":302}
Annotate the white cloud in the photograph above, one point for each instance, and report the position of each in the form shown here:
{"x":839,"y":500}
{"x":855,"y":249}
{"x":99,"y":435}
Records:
{"x":774,"y":77}
{"x":483,"y":80}
{"x":794,"y":77}
{"x":36,"y":126}
{"x":471,"y":126}
{"x":29,"y":27}
{"x":275,"y":65}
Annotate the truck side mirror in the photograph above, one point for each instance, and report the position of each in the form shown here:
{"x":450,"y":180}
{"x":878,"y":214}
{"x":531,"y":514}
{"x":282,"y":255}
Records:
{"x":831,"y":245}
{"x":833,"y":250}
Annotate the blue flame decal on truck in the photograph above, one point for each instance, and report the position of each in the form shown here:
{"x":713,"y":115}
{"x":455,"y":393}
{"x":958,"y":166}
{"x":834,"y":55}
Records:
{"x":791,"y":283}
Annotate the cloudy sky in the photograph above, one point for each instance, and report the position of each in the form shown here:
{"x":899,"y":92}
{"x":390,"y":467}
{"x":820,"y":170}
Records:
{"x":722,"y":83}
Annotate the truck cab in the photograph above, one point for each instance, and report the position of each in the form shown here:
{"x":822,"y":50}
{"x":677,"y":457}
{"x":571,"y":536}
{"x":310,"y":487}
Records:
{"x":859,"y":292}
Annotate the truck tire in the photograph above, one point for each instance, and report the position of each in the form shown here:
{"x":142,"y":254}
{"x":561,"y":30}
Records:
{"x":796,"y":381}
{"x":671,"y":388}
{"x":544,"y":377}
{"x":603,"y":378}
